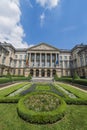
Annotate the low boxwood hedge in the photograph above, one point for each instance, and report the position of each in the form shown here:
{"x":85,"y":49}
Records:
{"x":71,"y":80}
{"x":9,"y":99}
{"x":41,"y":117}
{"x":81,"y":96}
{"x":12,"y":79}
{"x":4,"y":80}
{"x":80,"y":81}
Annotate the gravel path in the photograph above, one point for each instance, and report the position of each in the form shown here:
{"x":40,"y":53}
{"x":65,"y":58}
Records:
{"x":73,"y":87}
{"x":8,"y":86}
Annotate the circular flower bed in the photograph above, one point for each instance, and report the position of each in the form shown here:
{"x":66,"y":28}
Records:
{"x":42,"y":102}
{"x":41,"y":107}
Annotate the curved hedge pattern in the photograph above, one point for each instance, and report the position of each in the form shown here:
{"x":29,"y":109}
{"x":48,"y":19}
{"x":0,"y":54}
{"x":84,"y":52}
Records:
{"x":41,"y":117}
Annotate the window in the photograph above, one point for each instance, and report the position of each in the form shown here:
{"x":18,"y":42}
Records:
{"x":70,"y":57}
{"x":20,"y":56}
{"x":25,"y":57}
{"x":61,"y":64}
{"x":66,"y":65}
{"x":20,"y":63}
{"x":65,"y":57}
{"x":3,"y":60}
{"x":24,"y":63}
{"x":15,"y":63}
{"x":60,"y":57}
{"x":19,"y":72}
{"x":16,"y":56}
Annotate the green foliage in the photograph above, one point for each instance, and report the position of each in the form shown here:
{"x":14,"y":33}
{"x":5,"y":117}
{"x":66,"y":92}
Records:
{"x":41,"y":117}
{"x":56,"y":77}
{"x":81,"y":81}
{"x":4,"y":80}
{"x":42,"y":87}
{"x":29,"y":77}
{"x":75,"y":119}
{"x":5,"y":92}
{"x":81,"y":96}
{"x":9,"y":78}
{"x":75,"y":76}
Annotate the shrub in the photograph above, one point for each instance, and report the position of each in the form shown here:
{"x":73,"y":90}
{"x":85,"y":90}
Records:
{"x":9,"y":100}
{"x":56,"y":77}
{"x":76,"y":76}
{"x":4,"y":80}
{"x":81,"y":81}
{"x":41,"y":117}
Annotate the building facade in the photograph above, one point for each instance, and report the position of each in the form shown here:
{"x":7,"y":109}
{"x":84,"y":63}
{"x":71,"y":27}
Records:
{"x":43,"y":60}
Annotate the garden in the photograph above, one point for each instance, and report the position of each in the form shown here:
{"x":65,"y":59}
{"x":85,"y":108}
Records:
{"x":40,"y":106}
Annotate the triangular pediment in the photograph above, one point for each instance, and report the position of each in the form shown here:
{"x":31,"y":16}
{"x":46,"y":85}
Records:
{"x":43,"y":46}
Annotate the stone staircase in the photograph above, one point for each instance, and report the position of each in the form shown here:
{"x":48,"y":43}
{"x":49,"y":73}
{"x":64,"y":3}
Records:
{"x":42,"y":79}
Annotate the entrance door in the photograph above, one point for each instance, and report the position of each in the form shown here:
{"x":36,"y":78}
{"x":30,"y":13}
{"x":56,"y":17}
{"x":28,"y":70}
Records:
{"x":31,"y":72}
{"x":43,"y":73}
{"x":54,"y":73}
{"x":37,"y":73}
{"x":48,"y":73}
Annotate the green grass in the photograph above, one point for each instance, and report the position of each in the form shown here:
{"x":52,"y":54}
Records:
{"x":75,"y":119}
{"x":42,"y":87}
{"x":75,"y":91}
{"x":11,"y":89}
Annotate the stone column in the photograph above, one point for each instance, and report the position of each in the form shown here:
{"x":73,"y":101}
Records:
{"x":34,"y":75}
{"x":50,"y":73}
{"x":51,"y":59}
{"x":35,"y":59}
{"x":57,"y":59}
{"x":45,"y":59}
{"x":40,"y":60}
{"x":45,"y":73}
{"x":29,"y":59}
{"x":40,"y":73}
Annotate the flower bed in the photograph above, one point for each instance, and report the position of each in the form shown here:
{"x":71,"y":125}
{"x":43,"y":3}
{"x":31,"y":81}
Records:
{"x":43,"y":107}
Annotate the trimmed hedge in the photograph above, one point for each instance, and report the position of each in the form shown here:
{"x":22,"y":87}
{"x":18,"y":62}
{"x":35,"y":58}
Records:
{"x":80,"y":81}
{"x":9,"y":99}
{"x":41,"y":117}
{"x":6,"y":80}
{"x":71,"y":80}
{"x":81,"y":96}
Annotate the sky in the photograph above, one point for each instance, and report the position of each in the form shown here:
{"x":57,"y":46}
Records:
{"x":60,"y":23}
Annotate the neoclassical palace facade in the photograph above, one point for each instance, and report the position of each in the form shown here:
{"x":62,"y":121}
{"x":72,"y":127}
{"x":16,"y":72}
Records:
{"x":43,"y":60}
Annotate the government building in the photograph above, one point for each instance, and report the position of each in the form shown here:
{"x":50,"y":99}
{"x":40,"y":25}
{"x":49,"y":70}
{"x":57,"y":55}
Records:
{"x":43,"y":60}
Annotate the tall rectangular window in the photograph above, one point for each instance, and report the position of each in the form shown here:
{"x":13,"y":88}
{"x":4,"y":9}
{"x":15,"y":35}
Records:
{"x":3,"y":60}
{"x":60,"y":57}
{"x":16,"y":56}
{"x":65,"y":57}
{"x":20,"y":56}
{"x":20,"y":63}
{"x":15,"y":63}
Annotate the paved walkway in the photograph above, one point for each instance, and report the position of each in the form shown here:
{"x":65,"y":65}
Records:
{"x":8,"y":86}
{"x":73,"y":86}
{"x":42,"y":79}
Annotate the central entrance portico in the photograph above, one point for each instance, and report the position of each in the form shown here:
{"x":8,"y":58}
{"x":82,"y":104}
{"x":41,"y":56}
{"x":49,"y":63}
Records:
{"x":42,"y":61}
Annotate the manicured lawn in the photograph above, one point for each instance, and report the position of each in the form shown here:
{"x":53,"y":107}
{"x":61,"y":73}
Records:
{"x":9,"y":90}
{"x":75,"y":119}
{"x":44,"y":87}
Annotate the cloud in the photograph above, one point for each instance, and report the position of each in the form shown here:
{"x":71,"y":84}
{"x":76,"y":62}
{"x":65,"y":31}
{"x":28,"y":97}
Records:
{"x":11,"y":29}
{"x":49,"y":4}
{"x":42,"y":18}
